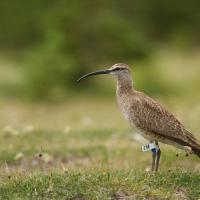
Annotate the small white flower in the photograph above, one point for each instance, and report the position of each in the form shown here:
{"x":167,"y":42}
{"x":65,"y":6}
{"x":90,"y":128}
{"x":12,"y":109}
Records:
{"x":148,"y":170}
{"x":28,"y":129}
{"x":67,"y":129}
{"x":9,"y":130}
{"x":19,"y":156}
{"x":46,"y":158}
{"x":86,"y":120}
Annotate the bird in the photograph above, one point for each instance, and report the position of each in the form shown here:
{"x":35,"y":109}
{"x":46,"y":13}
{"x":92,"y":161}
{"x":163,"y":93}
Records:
{"x":151,"y":119}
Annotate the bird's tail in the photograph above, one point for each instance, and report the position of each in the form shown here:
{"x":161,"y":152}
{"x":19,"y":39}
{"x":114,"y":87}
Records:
{"x":194,"y":143}
{"x":196,"y":151}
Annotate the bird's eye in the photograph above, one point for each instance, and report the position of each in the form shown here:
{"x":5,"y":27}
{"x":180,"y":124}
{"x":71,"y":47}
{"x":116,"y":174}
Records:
{"x":117,"y":68}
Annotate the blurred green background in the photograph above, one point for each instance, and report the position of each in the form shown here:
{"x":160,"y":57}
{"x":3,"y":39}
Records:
{"x":46,"y":45}
{"x":49,"y":121}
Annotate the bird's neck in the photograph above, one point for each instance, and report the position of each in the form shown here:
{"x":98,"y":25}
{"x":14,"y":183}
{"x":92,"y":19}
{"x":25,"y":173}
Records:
{"x":124,"y":84}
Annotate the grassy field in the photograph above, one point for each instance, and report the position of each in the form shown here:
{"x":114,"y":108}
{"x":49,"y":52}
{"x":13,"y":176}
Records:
{"x":69,"y":151}
{"x":84,"y":149}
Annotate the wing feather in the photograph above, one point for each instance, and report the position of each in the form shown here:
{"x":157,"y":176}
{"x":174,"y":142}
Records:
{"x":153,"y":117}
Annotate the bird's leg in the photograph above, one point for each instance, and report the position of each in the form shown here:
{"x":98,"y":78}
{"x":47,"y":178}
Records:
{"x":158,"y":153}
{"x":158,"y":159}
{"x":153,"y":160}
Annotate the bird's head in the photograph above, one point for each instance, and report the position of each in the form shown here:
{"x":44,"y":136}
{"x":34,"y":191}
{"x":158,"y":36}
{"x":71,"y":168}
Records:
{"x":118,"y":70}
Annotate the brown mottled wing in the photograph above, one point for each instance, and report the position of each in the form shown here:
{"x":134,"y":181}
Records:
{"x":152,"y":117}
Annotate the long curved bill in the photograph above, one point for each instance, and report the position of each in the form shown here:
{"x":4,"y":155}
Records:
{"x":107,"y":71}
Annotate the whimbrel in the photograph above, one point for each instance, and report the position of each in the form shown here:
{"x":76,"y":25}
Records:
{"x":149,"y":117}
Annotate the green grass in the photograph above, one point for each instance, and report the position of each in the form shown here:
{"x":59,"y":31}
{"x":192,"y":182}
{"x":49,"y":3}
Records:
{"x":91,"y":164}
{"x":102,"y":184}
{"x":93,"y":156}
{"x":65,"y":154}
{"x":84,"y":149}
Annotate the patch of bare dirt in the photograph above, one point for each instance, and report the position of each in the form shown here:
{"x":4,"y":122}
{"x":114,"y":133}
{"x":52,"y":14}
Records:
{"x":181,"y":193}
